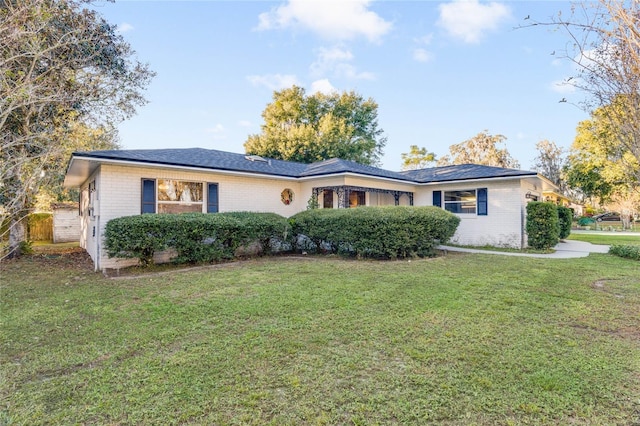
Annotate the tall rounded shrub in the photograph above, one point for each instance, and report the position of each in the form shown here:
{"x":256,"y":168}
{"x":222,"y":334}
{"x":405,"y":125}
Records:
{"x":565,"y":215}
{"x":543,"y":225}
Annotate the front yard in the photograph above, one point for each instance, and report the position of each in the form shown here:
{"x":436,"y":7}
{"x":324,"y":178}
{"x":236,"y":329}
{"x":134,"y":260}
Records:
{"x":459,"y":339}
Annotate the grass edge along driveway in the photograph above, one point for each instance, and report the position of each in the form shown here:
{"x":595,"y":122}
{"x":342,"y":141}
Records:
{"x":459,"y":339}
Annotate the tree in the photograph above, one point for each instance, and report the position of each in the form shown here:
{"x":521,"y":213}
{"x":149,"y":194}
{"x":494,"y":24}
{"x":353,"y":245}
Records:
{"x":480,"y":149}
{"x":598,"y":163}
{"x":75,"y":136}
{"x":417,"y":158}
{"x":604,"y":48}
{"x":63,"y":66}
{"x":311,"y":128}
{"x":550,"y":163}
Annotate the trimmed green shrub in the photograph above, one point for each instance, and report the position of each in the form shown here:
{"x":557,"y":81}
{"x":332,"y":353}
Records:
{"x":375,"y":232}
{"x":197,"y":237}
{"x":137,"y":236}
{"x":626,"y":251}
{"x":586,"y":221}
{"x":565,"y":216}
{"x":543,"y":225}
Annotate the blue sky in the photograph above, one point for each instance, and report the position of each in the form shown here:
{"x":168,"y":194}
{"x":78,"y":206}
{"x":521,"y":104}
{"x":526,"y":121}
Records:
{"x":441,"y":72}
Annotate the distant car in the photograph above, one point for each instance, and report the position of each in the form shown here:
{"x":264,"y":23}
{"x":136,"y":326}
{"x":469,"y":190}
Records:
{"x":607,"y":217}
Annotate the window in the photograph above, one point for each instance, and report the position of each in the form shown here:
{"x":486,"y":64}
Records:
{"x":175,"y":196}
{"x":357,"y":198}
{"x":327,"y":199}
{"x":460,"y":201}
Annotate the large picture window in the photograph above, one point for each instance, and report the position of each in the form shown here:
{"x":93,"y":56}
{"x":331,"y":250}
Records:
{"x":176,"y":196}
{"x":460,"y":201}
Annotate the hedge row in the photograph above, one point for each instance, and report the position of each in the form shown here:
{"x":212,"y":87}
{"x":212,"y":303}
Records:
{"x":626,"y":251}
{"x":196,"y":237}
{"x":375,"y":232}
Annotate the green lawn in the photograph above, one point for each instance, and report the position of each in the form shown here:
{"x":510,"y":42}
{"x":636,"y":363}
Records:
{"x":455,"y":340}
{"x":595,"y":238}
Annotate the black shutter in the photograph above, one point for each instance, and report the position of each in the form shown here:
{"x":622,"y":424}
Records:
{"x":148,"y":196}
{"x":482,"y":201}
{"x":437,"y":198}
{"x":212,"y":198}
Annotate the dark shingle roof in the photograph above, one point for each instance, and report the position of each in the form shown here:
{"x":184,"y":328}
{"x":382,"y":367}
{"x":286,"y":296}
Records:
{"x":200,"y":157}
{"x":462,"y":172}
{"x":222,"y":160}
{"x":337,"y":165}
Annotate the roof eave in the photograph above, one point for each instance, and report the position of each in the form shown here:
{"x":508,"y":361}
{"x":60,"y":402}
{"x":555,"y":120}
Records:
{"x":476,"y":179}
{"x":79,"y":177}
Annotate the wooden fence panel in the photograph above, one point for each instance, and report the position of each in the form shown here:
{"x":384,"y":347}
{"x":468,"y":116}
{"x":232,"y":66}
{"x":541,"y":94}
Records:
{"x":41,"y":230}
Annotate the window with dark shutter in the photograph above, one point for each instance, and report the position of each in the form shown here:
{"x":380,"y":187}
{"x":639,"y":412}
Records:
{"x":212,"y":198}
{"x":482,"y":202}
{"x":148,"y":196}
{"x":437,"y":198}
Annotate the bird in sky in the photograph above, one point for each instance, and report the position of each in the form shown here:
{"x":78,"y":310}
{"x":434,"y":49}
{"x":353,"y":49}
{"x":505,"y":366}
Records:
{"x":527,"y":17}
{"x":562,"y":100}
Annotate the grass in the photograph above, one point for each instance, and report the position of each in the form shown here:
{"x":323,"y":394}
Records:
{"x":595,"y":238}
{"x":455,"y":340}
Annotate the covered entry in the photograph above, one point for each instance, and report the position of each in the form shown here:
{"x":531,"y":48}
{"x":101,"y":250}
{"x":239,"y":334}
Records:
{"x":354,"y":196}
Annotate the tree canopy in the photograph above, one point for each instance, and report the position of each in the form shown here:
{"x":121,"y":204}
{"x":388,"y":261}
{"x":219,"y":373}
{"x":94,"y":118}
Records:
{"x":65,"y":70}
{"x":598,"y":163}
{"x":550,"y":163}
{"x":308,"y":128}
{"x":417,"y":158}
{"x":480,"y":149}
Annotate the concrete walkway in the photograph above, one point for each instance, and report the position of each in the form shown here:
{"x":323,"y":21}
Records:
{"x":568,"y":249}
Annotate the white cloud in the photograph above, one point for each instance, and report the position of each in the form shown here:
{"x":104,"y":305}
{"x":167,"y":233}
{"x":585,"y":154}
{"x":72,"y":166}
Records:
{"x":421,"y":55}
{"x":469,"y":20}
{"x":244,"y":123}
{"x":322,"y":86}
{"x":274,"y":81}
{"x":336,"y":61}
{"x":563,"y":87}
{"x":125,"y":27}
{"x":335,"y":19}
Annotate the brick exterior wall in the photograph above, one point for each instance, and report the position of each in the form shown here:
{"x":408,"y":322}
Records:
{"x":118,"y":193}
{"x":501,"y":227}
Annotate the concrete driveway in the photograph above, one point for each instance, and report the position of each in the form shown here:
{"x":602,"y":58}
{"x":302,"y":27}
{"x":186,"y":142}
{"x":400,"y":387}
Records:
{"x":568,"y":249}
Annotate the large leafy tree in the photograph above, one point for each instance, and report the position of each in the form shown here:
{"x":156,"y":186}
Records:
{"x":599,"y":164}
{"x":309,"y":128}
{"x":481,"y":149}
{"x":417,"y":158}
{"x":63,"y":69}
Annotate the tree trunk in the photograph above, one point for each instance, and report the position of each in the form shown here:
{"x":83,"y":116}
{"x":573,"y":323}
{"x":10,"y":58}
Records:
{"x":17,"y":234}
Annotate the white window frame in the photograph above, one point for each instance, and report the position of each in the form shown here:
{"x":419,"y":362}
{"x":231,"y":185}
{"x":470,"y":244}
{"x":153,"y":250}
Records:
{"x":461,"y":203}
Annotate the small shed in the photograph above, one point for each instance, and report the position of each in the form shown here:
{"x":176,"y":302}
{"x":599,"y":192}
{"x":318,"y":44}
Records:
{"x":66,"y":222}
